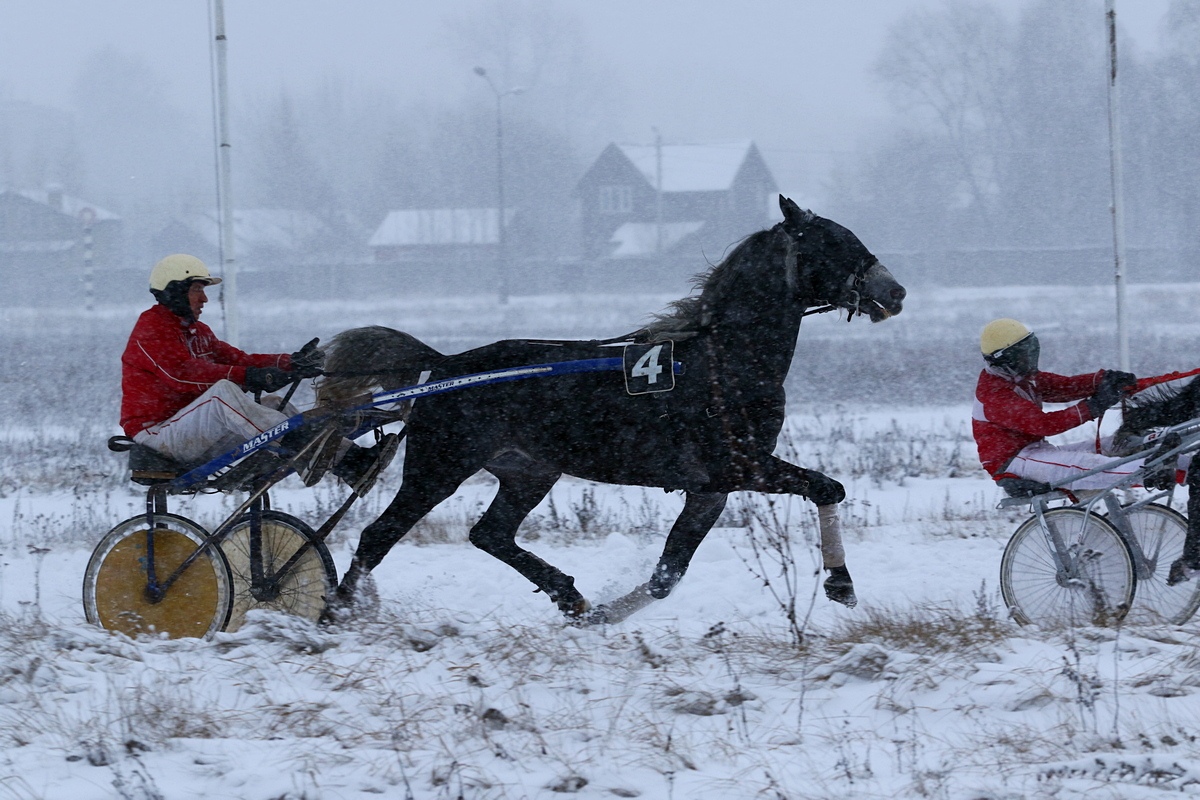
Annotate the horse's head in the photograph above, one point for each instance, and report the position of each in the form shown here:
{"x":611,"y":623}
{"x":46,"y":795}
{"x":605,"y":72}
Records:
{"x":828,"y":265}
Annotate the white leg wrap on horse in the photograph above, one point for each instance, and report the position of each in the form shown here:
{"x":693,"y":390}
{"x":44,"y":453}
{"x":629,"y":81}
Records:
{"x":832,"y":553}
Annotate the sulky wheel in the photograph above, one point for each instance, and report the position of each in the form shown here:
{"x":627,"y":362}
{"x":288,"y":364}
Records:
{"x":1159,"y":532}
{"x":115,"y":584}
{"x":301,"y":590}
{"x":1096,"y":588}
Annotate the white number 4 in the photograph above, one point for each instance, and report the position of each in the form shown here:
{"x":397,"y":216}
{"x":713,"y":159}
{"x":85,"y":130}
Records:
{"x":647,"y":366}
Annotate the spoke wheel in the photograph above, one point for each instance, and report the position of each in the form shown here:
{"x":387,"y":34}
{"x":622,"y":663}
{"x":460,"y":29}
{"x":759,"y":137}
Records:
{"x":305,"y":587}
{"x":1160,"y":532}
{"x":114,"y":584}
{"x":1098,"y":587}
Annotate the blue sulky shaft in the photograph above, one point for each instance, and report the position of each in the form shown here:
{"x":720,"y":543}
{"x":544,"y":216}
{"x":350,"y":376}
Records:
{"x":201,"y":473}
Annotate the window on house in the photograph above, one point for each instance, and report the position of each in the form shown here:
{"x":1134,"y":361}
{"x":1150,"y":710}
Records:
{"x":616,"y":199}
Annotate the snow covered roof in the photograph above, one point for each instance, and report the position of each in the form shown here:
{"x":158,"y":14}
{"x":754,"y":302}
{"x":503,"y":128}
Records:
{"x":641,"y":238}
{"x":40,"y":246}
{"x":439,"y":226}
{"x":63,"y":203}
{"x":690,"y":167}
{"x":282,"y":228}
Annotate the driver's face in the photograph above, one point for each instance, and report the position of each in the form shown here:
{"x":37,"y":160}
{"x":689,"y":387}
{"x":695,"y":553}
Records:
{"x":196,"y":298}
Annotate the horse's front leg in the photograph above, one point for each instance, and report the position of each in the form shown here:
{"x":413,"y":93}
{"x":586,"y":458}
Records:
{"x":776,"y":476}
{"x":700,"y":513}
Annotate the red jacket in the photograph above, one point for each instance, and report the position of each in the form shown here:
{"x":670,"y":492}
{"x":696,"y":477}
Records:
{"x":1008,"y":414}
{"x":168,"y":363}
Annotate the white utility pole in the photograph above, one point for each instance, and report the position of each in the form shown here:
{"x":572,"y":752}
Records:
{"x":502,"y":253}
{"x":224,"y":200}
{"x":1118,"y":211}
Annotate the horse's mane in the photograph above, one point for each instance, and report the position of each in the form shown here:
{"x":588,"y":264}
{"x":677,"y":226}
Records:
{"x":1162,"y":405}
{"x":688,"y":314}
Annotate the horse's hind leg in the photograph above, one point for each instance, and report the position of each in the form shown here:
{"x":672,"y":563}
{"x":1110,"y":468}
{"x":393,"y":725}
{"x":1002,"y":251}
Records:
{"x":700,"y":513}
{"x":496,"y":532}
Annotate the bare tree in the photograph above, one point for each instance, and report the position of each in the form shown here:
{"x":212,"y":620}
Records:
{"x":946,"y":69}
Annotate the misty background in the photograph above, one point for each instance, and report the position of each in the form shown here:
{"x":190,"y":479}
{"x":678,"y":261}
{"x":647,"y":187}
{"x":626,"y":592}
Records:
{"x":965,"y":142}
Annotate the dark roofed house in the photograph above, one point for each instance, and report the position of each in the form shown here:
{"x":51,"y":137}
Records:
{"x":47,"y":232}
{"x":711,"y":195}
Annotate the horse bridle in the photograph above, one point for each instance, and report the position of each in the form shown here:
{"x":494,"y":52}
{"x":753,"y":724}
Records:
{"x":853,"y":285}
{"x":851,"y":296}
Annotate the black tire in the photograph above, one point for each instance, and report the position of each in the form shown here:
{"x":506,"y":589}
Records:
{"x":306,"y":587}
{"x":197,"y":604}
{"x":1102,"y":591}
{"x":1160,"y":533}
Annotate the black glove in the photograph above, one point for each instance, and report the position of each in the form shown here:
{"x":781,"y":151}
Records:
{"x":1112,"y":387}
{"x":267,"y":379}
{"x":308,"y":360}
{"x":1126,"y":381}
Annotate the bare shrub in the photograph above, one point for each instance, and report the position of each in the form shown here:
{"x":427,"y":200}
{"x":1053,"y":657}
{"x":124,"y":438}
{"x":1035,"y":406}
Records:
{"x":926,"y":629}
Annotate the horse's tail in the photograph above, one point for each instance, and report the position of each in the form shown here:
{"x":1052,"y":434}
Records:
{"x":360,"y":360}
{"x":1162,"y":405}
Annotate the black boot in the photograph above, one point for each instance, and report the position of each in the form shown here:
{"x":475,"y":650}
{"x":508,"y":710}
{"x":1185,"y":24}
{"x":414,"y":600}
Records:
{"x":360,"y":467}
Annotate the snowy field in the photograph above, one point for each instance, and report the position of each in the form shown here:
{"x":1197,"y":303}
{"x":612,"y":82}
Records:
{"x":464,"y":684}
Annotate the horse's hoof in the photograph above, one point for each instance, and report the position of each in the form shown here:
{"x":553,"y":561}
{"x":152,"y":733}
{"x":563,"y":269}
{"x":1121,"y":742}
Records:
{"x":575,"y":610}
{"x":336,"y":612}
{"x":1180,"y":572}
{"x":662,"y":582}
{"x":343,"y":607}
{"x":840,"y":588}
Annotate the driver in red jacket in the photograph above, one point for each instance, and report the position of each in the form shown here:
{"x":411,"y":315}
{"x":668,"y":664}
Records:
{"x":183,"y":390}
{"x":1010,"y":426}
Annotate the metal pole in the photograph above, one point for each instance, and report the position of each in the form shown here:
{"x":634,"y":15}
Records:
{"x":502,"y":255}
{"x":224,"y":201}
{"x":1118,"y":211}
{"x":88,"y":217}
{"x":500,"y":199}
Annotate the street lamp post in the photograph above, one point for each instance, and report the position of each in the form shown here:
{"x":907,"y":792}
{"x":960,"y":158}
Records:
{"x":502,"y":257}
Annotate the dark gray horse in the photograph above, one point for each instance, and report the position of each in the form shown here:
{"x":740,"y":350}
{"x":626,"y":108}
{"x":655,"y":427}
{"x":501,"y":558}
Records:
{"x":713,"y":433}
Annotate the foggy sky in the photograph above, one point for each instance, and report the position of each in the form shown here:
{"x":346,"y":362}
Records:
{"x":794,"y":75}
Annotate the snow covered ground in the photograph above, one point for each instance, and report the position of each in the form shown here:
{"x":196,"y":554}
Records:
{"x":463,"y":683}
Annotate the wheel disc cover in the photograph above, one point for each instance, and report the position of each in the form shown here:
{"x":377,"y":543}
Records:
{"x":189,"y":606}
{"x":302,"y":592}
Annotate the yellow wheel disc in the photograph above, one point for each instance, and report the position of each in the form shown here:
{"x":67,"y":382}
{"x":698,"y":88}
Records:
{"x":197,"y":604}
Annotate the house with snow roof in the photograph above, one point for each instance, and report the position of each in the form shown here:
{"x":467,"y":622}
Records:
{"x":439,"y":234}
{"x":264,"y":238}
{"x":687,"y":200}
{"x":48,"y":232}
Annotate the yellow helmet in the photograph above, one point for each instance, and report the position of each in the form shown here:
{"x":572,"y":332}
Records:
{"x":1001,"y":333}
{"x":179,"y":267}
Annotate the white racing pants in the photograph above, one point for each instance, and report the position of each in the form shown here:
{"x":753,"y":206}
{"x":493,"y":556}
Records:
{"x":212,"y":424}
{"x":1042,"y":461}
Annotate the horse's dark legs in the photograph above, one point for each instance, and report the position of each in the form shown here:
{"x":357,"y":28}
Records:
{"x":496,"y":531}
{"x":773,"y":475}
{"x":418,"y":495}
{"x":1188,"y":565}
{"x":700,"y":513}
